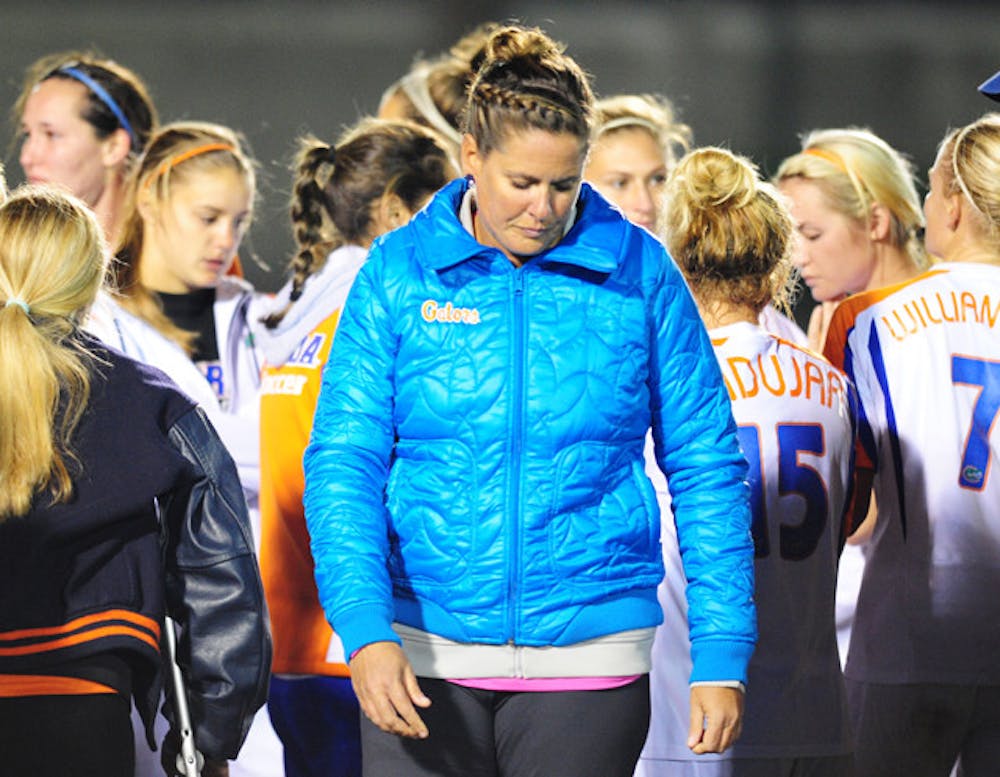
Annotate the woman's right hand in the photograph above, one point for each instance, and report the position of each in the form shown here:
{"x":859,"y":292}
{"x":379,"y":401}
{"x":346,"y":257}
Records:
{"x":819,"y":323}
{"x":387,"y":689}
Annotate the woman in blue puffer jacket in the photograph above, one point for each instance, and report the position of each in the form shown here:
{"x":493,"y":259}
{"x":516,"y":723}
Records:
{"x":485,"y":538}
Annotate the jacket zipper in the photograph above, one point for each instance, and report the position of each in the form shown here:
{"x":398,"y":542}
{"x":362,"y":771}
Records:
{"x":517,"y":446}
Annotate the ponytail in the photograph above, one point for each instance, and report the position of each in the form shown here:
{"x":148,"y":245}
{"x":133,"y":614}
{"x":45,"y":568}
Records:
{"x":52,"y":260}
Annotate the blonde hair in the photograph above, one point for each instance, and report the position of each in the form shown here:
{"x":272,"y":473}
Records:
{"x":729,"y":231}
{"x":649,"y":112}
{"x":969,"y":158}
{"x":527,"y":82}
{"x":52,"y":261}
{"x":176,"y":151}
{"x":855,"y":169}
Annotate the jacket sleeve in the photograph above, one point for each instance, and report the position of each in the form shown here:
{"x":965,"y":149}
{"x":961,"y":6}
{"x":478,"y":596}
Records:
{"x":698,"y":450}
{"x":214,"y":592}
{"x":346,"y":467}
{"x":239,"y":425}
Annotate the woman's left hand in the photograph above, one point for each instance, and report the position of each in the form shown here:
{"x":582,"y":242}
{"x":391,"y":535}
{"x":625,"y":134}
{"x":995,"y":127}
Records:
{"x":716,"y":718}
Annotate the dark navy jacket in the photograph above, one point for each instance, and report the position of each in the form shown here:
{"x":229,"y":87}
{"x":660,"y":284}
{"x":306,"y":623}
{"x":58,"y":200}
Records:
{"x":156,"y":525}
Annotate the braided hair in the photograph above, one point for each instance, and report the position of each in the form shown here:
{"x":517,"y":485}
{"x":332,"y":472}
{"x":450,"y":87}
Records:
{"x":527,"y":82}
{"x":335,"y":188}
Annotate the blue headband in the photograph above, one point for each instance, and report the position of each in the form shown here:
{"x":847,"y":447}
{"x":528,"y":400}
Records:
{"x":102,"y":94}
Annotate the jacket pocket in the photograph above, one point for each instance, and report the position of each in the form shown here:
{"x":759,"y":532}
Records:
{"x":431,"y":499}
{"x":604,"y":526}
{"x":108,"y":575}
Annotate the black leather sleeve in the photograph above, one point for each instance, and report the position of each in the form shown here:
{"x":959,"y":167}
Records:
{"x":214,"y":592}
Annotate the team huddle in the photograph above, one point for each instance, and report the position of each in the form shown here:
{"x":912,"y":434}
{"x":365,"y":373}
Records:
{"x":542,"y":477}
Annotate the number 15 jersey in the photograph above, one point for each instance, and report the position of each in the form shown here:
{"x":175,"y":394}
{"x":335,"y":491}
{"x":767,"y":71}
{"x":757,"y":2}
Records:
{"x":925,"y":356}
{"x":796,"y":415}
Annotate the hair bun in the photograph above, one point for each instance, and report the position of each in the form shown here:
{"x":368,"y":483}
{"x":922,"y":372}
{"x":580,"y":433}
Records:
{"x":508,"y":44}
{"x":717,"y":178}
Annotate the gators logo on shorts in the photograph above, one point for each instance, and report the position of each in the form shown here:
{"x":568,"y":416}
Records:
{"x":972,"y":476}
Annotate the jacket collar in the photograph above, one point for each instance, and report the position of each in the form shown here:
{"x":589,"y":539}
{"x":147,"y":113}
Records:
{"x":595,"y":242}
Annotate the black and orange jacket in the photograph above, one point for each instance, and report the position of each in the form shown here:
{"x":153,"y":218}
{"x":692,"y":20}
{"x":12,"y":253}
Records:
{"x":156,"y":525}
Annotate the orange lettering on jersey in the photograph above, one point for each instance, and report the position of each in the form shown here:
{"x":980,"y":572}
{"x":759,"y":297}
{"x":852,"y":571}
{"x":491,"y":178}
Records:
{"x":798,"y":379}
{"x":989,"y":316}
{"x":969,"y":305}
{"x":892,"y":331}
{"x":927,"y":310}
{"x":804,"y":377}
{"x":934,"y":310}
{"x":954,"y":307}
{"x":778,"y":389}
{"x":729,"y":389}
{"x":815,"y":377}
{"x":835,"y":387}
{"x":432,"y":311}
{"x":735,"y":362}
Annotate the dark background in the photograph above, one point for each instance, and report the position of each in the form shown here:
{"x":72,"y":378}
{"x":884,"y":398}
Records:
{"x":749,"y":75}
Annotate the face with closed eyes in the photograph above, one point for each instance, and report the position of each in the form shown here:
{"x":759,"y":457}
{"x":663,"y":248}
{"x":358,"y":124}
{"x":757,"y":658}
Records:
{"x":628,"y":167}
{"x":191,"y":237}
{"x":834,"y":253}
{"x":525,"y":189}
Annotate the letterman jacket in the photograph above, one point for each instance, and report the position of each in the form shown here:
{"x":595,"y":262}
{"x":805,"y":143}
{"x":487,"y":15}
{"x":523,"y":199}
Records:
{"x":157,"y":525}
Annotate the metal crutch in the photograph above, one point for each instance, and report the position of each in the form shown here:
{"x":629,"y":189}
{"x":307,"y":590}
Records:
{"x":189,"y":760}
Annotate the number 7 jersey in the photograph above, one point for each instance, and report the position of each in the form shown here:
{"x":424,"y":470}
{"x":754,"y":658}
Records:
{"x":925,"y":356}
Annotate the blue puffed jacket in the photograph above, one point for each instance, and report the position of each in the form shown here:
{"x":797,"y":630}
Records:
{"x":476,"y":463}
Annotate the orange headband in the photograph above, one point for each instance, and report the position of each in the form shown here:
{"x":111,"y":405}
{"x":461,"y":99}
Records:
{"x":829,"y":156}
{"x":183,"y":157}
{"x":857,"y":182}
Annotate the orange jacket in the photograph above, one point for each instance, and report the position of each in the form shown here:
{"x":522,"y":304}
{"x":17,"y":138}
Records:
{"x":304,"y":643}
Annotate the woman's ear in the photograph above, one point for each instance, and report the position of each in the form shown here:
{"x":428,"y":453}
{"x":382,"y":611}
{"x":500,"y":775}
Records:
{"x":879,"y":223}
{"x":471,"y":159}
{"x":115,"y":148}
{"x":954,"y":208}
{"x":392,"y":211}
{"x":145,"y":202}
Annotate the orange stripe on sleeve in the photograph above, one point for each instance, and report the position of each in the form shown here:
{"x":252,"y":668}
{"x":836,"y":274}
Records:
{"x":17,"y":685}
{"x":82,"y":622}
{"x":90,"y":635}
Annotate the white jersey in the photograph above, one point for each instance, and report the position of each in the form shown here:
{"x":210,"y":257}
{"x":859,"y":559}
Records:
{"x":796,"y":417}
{"x":925,"y":355}
{"x":777,"y":323}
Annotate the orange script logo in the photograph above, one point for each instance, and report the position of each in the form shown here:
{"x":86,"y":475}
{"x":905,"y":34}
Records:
{"x":447,"y":313}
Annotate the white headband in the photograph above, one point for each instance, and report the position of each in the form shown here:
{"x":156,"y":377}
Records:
{"x":414,"y":85}
{"x":629,"y":121}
